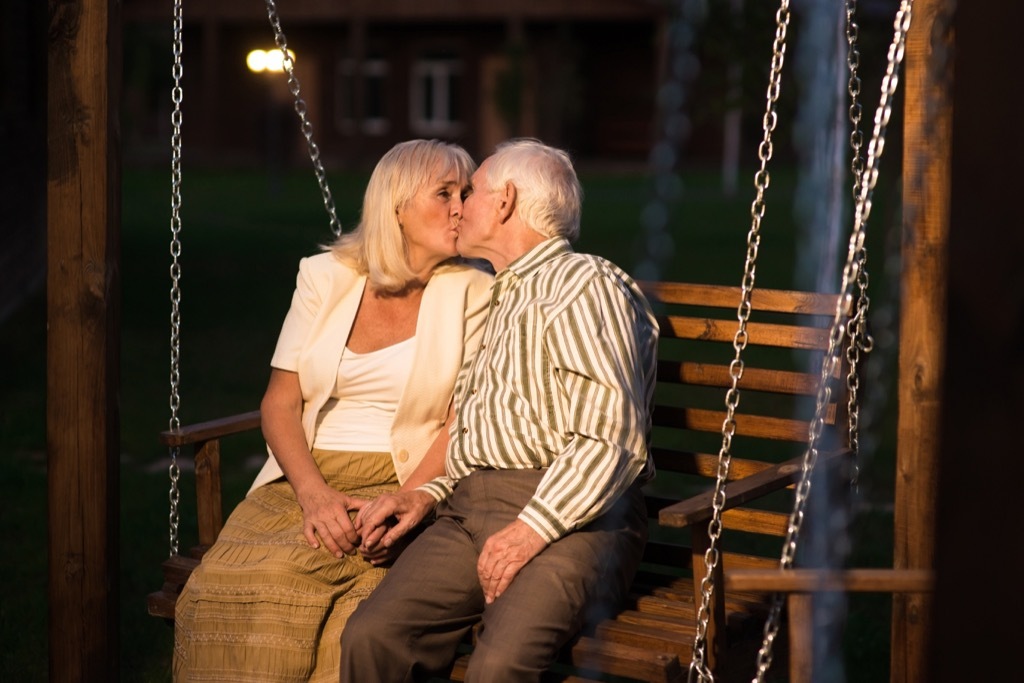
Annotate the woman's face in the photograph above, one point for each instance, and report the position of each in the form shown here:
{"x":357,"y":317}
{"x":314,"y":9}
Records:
{"x":429,"y":219}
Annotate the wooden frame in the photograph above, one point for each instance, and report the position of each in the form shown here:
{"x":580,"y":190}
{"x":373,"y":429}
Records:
{"x":987,"y":214}
{"x":800,"y":587}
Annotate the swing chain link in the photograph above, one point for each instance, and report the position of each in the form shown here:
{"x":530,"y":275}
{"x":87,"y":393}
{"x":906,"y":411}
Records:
{"x":174,"y":472}
{"x":288,"y":63}
{"x":836,"y":333}
{"x":854,"y":89}
{"x":860,"y":340}
{"x":698,"y":665}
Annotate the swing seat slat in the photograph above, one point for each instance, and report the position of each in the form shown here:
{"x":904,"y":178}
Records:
{"x":651,"y":638}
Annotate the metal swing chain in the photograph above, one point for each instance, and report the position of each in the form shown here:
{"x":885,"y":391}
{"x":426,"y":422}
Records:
{"x":300,"y":108}
{"x":850,"y":274}
{"x":698,"y":665}
{"x":175,"y":398}
{"x":853,"y":87}
{"x":174,"y":471}
{"x":859,"y":339}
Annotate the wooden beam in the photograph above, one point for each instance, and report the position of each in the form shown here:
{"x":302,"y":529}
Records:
{"x":82,"y":354}
{"x":408,"y":10}
{"x":926,"y":182}
{"x":820,"y":581}
{"x":978,"y":555}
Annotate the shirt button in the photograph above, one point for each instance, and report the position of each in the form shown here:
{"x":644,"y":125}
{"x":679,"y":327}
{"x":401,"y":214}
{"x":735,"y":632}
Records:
{"x":465,"y":430}
{"x":403,"y":455}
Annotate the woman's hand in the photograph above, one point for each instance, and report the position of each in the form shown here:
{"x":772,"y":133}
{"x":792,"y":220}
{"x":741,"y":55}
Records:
{"x":325,"y":516}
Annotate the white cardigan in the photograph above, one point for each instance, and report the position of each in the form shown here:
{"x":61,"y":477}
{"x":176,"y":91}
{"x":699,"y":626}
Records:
{"x":448,"y":330}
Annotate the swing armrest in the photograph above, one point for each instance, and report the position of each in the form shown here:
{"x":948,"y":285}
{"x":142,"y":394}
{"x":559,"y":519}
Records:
{"x":211,"y":429}
{"x":205,"y":438}
{"x":699,"y":508}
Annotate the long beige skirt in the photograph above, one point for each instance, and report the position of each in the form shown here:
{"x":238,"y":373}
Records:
{"x":265,"y":606}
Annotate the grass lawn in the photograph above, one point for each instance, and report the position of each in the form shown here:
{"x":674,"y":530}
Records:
{"x":243,"y":236}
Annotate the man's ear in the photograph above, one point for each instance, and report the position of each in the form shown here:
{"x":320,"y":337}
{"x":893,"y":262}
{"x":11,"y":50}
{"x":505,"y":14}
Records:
{"x":507,"y":205}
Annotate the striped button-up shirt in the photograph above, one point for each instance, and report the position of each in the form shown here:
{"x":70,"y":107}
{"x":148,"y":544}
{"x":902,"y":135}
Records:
{"x":563,"y":380}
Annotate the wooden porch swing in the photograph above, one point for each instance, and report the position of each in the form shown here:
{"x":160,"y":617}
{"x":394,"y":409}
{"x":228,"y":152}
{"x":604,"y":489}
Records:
{"x":683,"y":612}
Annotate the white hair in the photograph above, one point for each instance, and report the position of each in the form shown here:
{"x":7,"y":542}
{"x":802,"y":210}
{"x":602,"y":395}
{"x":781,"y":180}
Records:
{"x":549,"y":197}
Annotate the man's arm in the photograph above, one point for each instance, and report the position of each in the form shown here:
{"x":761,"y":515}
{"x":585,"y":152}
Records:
{"x":603,"y":346}
{"x":389,"y":516}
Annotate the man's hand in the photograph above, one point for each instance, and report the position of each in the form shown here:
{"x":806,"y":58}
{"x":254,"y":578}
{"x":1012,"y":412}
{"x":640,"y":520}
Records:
{"x":381,"y":554}
{"x":504,"y":554}
{"x":385,"y":519}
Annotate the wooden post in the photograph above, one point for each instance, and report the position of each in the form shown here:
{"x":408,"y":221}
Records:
{"x":978,"y":556}
{"x":715,"y":635}
{"x":926,"y":183}
{"x":82,"y":349}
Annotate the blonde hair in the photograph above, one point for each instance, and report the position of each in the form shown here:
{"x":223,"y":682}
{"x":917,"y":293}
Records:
{"x":376,"y":247}
{"x":549,"y":197}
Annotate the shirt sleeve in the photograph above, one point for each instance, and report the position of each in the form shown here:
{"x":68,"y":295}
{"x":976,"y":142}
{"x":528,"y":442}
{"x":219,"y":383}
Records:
{"x":306,"y":302}
{"x":602,"y":347}
{"x":439,"y":489}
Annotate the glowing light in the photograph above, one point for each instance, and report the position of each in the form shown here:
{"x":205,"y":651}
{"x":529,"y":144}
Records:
{"x":259,"y":61}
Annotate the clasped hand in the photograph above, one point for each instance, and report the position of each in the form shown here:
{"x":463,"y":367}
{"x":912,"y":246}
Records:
{"x":326,"y":518}
{"x":383,"y":522}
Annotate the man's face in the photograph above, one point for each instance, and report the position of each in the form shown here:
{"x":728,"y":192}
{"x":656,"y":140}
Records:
{"x":479,"y":216}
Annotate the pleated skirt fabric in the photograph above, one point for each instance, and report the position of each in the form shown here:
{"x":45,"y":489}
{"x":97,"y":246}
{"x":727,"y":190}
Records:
{"x":265,"y":606}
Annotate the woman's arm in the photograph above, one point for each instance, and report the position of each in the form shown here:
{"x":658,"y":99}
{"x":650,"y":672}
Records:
{"x":430,"y":467}
{"x":432,"y":464}
{"x":324,"y":510}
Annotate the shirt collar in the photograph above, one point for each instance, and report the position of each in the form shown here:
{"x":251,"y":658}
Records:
{"x":532,"y":260}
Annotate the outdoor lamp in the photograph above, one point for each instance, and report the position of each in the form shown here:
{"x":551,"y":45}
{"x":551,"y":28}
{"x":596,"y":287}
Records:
{"x":259,"y":61}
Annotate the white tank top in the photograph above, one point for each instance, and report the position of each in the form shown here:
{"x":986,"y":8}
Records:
{"x":359,"y":414}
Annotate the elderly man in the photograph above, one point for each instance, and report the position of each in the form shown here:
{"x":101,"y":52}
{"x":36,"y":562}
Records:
{"x":540,"y":521}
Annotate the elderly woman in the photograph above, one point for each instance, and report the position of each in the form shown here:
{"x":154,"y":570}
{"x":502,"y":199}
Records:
{"x":359,"y":396}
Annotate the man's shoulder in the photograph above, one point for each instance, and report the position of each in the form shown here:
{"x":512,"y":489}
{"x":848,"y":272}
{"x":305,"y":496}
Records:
{"x":583,"y":273}
{"x":589,"y":267}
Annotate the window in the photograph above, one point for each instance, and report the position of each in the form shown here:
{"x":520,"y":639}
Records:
{"x":372,"y":78}
{"x":436,"y":90}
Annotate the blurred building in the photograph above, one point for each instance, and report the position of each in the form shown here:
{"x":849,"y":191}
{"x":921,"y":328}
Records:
{"x":580,"y":74}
